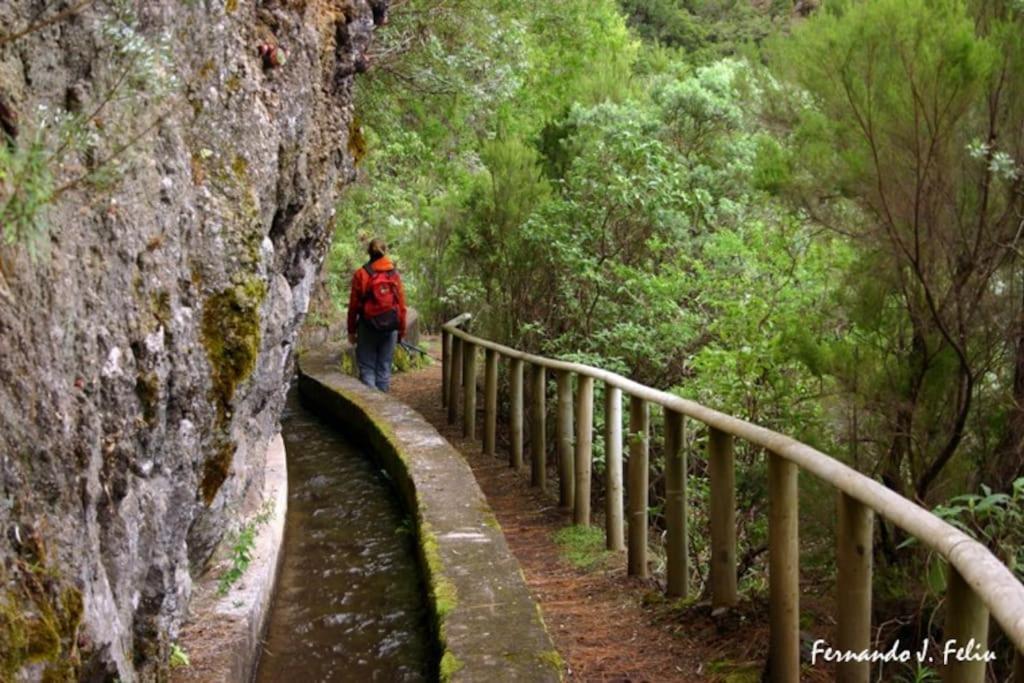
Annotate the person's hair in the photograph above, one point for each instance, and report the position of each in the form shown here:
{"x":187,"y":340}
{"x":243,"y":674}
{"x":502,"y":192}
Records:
{"x":376,"y":248}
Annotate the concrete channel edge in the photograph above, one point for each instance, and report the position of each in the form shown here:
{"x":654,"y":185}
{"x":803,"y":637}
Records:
{"x":224,"y":633}
{"x":487,"y":625}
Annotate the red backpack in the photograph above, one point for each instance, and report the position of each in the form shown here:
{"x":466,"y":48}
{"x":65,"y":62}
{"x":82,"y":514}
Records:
{"x":380,"y":301}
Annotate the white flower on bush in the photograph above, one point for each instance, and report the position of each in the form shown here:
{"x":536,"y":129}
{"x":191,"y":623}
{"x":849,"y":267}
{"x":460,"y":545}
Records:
{"x":1003,"y":165}
{"x":999,"y":162}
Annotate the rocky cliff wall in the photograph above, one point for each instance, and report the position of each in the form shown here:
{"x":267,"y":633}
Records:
{"x":150,"y":294}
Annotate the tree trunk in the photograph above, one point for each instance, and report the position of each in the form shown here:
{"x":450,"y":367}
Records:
{"x":964,"y":398}
{"x":892,"y":476}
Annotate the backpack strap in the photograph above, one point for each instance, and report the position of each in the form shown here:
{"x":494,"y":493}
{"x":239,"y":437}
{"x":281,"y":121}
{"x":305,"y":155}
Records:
{"x":369,"y":290}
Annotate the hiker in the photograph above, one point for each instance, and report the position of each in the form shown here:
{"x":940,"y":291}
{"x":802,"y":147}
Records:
{"x":376,"y":316}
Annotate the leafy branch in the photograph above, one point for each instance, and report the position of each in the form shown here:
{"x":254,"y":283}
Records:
{"x":30,"y":173}
{"x":43,"y":23}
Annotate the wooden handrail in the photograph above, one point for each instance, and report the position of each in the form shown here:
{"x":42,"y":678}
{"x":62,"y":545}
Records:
{"x":989,"y":579}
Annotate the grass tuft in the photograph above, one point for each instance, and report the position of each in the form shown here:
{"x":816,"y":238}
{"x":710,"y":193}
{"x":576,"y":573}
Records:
{"x":582,"y":546}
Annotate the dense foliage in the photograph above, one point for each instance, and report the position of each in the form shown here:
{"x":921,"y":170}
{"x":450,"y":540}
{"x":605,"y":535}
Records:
{"x":814,"y":223}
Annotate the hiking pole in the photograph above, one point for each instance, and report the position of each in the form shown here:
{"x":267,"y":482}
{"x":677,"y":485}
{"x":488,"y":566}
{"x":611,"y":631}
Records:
{"x":409,"y":347}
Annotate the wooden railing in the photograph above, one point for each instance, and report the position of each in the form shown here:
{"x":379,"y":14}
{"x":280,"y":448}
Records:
{"x":977,"y":583}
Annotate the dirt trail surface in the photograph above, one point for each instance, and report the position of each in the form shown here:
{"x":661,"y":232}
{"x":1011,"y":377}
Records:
{"x":607,"y":626}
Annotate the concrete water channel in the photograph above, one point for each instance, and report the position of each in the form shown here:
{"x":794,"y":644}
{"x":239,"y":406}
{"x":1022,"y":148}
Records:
{"x":350,"y":603}
{"x":392,"y":566}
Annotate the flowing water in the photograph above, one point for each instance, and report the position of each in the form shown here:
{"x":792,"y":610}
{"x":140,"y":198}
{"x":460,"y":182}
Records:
{"x":349,"y":603}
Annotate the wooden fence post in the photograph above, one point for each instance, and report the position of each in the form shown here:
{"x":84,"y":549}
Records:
{"x":966,"y":621}
{"x":854,"y":535}
{"x":468,"y":389}
{"x":675,"y":507}
{"x":783,"y":571}
{"x":613,"y":467}
{"x":516,"y":410}
{"x":538,"y":427}
{"x":722,"y":475}
{"x":584,"y":448}
{"x":454,"y":380}
{"x":639,"y":443}
{"x":490,"y":400}
{"x":563,"y":433}
{"x":446,"y":365}
{"x":967,"y":617}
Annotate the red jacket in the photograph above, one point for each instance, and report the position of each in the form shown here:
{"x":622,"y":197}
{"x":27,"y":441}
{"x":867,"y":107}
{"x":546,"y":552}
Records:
{"x":360,"y":281}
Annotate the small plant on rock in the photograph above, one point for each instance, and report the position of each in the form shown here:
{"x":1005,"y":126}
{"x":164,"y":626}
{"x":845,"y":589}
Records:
{"x":179,"y":658}
{"x":90,"y":144}
{"x":242,"y":547}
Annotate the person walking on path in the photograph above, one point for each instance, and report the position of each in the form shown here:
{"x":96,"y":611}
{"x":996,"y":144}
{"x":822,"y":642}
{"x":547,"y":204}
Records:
{"x":376,"y":316}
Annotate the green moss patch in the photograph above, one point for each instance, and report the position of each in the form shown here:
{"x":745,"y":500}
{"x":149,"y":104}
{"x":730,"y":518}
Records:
{"x":39,"y":619}
{"x":491,"y":521}
{"x":724,"y":671}
{"x":348,"y":364}
{"x":552,"y":659}
{"x":160,"y":307}
{"x":357,"y":145}
{"x":445,"y":596}
{"x":230,"y":332}
{"x":240,"y":167}
{"x":405,"y":360}
{"x":450,"y":665}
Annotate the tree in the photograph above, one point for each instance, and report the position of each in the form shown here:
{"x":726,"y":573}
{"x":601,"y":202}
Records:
{"x":493,"y":241}
{"x":908,"y":113}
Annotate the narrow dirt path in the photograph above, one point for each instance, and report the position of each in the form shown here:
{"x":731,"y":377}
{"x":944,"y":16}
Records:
{"x":597,"y":618}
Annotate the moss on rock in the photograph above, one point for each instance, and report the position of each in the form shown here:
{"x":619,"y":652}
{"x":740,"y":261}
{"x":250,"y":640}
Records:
{"x":147,"y":388}
{"x":230,"y":333}
{"x":357,"y":145}
{"x":216,"y":469}
{"x":39,"y":620}
{"x":490,"y":520}
{"x":160,"y":307}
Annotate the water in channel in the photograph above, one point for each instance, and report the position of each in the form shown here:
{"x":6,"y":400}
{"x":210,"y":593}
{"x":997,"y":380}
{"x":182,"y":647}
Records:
{"x":349,"y":602}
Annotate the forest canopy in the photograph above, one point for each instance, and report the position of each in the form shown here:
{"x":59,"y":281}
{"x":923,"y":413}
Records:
{"x":809,"y":217}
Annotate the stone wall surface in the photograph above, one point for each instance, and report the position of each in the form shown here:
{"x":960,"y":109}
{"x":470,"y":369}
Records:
{"x":145,"y":346}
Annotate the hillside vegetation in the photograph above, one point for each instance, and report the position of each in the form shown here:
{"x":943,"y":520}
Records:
{"x":810,"y":217}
